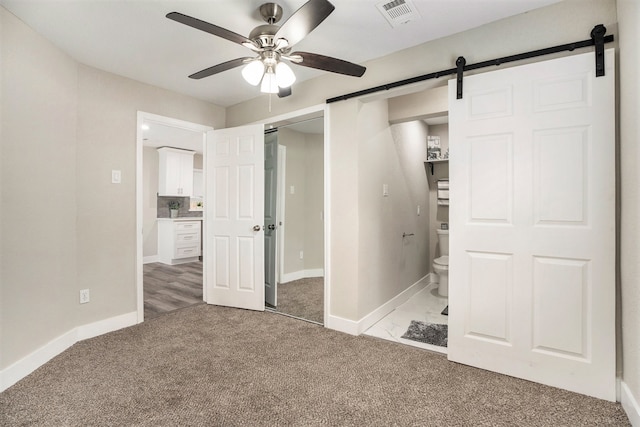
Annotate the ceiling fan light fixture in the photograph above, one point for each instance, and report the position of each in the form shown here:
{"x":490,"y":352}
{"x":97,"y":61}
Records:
{"x":269,"y":82}
{"x":253,"y":72}
{"x":284,"y":75}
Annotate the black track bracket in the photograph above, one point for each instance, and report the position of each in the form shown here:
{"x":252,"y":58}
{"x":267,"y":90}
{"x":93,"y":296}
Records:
{"x":460,"y":63}
{"x":597,"y":34}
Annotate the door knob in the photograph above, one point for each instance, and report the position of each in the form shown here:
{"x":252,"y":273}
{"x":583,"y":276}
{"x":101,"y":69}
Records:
{"x":256,"y":228}
{"x":271,"y":226}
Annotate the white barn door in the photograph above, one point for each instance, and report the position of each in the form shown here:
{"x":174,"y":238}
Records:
{"x":234,"y":217}
{"x":532,"y":243}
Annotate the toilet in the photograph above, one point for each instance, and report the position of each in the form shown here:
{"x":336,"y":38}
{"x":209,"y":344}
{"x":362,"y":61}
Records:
{"x":441,"y":264}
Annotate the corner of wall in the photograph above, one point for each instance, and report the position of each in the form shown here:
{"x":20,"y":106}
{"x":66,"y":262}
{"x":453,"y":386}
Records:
{"x":25,"y":366}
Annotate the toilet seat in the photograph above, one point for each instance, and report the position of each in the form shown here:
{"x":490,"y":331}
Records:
{"x":443,"y":261}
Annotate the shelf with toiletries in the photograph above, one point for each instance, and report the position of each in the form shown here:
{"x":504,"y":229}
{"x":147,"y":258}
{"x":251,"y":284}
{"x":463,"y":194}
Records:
{"x":442,"y":188}
{"x":430,"y":163}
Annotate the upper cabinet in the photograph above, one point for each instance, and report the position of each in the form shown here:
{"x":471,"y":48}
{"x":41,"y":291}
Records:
{"x":176,"y":172}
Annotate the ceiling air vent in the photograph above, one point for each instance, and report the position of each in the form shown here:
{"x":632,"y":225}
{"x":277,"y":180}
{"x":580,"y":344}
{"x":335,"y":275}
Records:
{"x":398,"y":12}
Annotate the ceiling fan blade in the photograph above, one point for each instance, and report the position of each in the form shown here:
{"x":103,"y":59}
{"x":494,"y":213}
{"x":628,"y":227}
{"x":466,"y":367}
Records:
{"x":304,"y":20}
{"x":209,"y":28}
{"x":283,"y":92}
{"x":327,"y":63}
{"x":220,"y":68}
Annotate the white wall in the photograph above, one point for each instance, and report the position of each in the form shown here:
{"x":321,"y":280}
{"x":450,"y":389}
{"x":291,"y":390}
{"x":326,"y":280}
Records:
{"x":65,"y":227}
{"x":150,"y":164}
{"x":629,"y":62}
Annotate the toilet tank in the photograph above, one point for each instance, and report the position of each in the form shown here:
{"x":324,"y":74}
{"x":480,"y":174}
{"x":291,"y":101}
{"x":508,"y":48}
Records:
{"x":443,"y":239}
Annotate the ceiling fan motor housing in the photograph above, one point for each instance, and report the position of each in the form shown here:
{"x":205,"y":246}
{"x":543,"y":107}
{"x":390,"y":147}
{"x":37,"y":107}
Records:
{"x":263,"y":35}
{"x":271,"y":12}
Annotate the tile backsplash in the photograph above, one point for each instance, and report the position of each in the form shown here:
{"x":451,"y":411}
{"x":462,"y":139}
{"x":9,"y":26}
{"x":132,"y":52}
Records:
{"x":163,"y":207}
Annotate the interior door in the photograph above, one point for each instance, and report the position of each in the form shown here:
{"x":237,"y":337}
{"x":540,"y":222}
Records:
{"x":270,"y":216}
{"x":234,"y":214}
{"x":532,"y":243}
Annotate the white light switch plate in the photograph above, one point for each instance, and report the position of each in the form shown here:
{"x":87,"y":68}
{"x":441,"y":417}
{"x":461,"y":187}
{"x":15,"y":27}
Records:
{"x":116,"y":176}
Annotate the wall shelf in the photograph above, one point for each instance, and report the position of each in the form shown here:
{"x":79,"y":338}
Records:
{"x":431,"y":163}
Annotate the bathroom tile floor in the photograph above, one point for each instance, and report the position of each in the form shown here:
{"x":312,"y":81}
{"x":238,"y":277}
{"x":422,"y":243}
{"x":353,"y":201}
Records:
{"x":425,"y":306}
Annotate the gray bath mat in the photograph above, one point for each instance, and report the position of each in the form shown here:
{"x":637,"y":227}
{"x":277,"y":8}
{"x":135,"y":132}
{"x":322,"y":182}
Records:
{"x":428,"y":333}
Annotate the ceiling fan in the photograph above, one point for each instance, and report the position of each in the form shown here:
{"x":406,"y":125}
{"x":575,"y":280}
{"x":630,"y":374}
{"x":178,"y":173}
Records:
{"x":272,"y":44}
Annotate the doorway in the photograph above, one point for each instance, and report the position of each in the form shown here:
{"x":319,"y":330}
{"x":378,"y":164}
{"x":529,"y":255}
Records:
{"x":168,"y":279}
{"x":298,"y":255}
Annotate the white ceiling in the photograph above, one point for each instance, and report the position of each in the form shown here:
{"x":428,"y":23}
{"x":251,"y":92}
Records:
{"x":134,"y":39}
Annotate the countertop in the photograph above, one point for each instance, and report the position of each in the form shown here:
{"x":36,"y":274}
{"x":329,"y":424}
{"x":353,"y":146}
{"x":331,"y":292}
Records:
{"x":182,"y":218}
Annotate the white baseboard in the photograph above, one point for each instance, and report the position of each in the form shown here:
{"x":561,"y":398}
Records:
{"x":23,"y":367}
{"x":341,"y":324}
{"x":353,"y":327}
{"x":150,"y":259}
{"x":302,"y":274}
{"x":107,"y":325}
{"x":630,"y":405}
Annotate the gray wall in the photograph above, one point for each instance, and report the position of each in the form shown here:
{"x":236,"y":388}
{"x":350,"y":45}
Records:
{"x":64,"y":126}
{"x":39,"y":191}
{"x":304,"y":229}
{"x":65,"y":227}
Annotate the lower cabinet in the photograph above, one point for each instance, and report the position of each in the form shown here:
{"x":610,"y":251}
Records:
{"x":178,"y":241}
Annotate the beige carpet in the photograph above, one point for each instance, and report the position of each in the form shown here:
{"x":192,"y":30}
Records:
{"x":213,"y":366}
{"x":302,"y":298}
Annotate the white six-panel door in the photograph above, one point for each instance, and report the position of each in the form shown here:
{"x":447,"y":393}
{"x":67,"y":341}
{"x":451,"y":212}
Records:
{"x":234,"y":217}
{"x":532,"y":243}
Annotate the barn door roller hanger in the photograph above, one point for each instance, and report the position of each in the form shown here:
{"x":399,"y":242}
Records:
{"x":598,"y":39}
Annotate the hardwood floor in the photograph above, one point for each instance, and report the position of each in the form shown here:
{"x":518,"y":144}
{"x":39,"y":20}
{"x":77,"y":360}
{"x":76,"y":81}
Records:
{"x":170,"y":287}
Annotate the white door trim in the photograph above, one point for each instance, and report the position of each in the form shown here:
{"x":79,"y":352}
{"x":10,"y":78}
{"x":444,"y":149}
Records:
{"x":142,"y":117}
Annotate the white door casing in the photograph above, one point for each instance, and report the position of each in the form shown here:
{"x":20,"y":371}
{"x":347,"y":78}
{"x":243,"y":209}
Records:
{"x":532,"y":243}
{"x":235,"y":214}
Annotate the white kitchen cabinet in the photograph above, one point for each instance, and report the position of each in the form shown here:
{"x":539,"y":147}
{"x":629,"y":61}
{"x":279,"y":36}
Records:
{"x":175,"y":176}
{"x":178,"y":240}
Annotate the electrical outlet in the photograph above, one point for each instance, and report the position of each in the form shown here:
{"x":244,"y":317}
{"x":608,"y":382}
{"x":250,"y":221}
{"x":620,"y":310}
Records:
{"x":301,"y":254}
{"x":84,"y":296}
